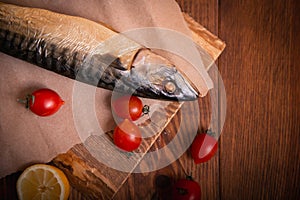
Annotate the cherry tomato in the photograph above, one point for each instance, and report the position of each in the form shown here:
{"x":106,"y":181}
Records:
{"x":44,"y":102}
{"x":203,"y":148}
{"x":129,"y":107}
{"x":186,"y":189}
{"x":127,"y":136}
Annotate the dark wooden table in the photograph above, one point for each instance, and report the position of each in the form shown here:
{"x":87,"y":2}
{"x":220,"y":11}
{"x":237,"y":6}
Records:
{"x":259,"y":149}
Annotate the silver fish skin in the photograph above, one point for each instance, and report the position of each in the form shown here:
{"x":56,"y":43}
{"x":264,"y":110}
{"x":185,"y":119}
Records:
{"x":150,"y":75}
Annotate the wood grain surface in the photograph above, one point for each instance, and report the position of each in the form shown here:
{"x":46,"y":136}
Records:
{"x":260,"y":144}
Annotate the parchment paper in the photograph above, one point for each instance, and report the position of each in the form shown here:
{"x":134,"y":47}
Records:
{"x":26,"y":138}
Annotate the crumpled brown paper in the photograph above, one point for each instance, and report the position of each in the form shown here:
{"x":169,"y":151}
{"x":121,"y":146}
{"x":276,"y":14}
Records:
{"x":26,"y":138}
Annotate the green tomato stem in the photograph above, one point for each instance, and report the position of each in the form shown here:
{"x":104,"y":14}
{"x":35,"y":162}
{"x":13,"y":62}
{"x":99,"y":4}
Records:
{"x":27,"y":100}
{"x":211,"y":133}
{"x":146,"y":110}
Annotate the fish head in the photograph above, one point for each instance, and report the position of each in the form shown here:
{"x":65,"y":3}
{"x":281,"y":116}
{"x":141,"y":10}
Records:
{"x":158,"y":81}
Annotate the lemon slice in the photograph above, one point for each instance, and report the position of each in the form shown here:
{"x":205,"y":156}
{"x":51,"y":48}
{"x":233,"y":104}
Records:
{"x":41,"y":181}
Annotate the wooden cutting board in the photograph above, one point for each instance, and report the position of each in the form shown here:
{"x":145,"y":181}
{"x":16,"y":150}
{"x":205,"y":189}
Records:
{"x":90,"y":178}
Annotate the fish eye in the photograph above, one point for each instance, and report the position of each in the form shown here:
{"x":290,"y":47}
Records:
{"x":170,"y":87}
